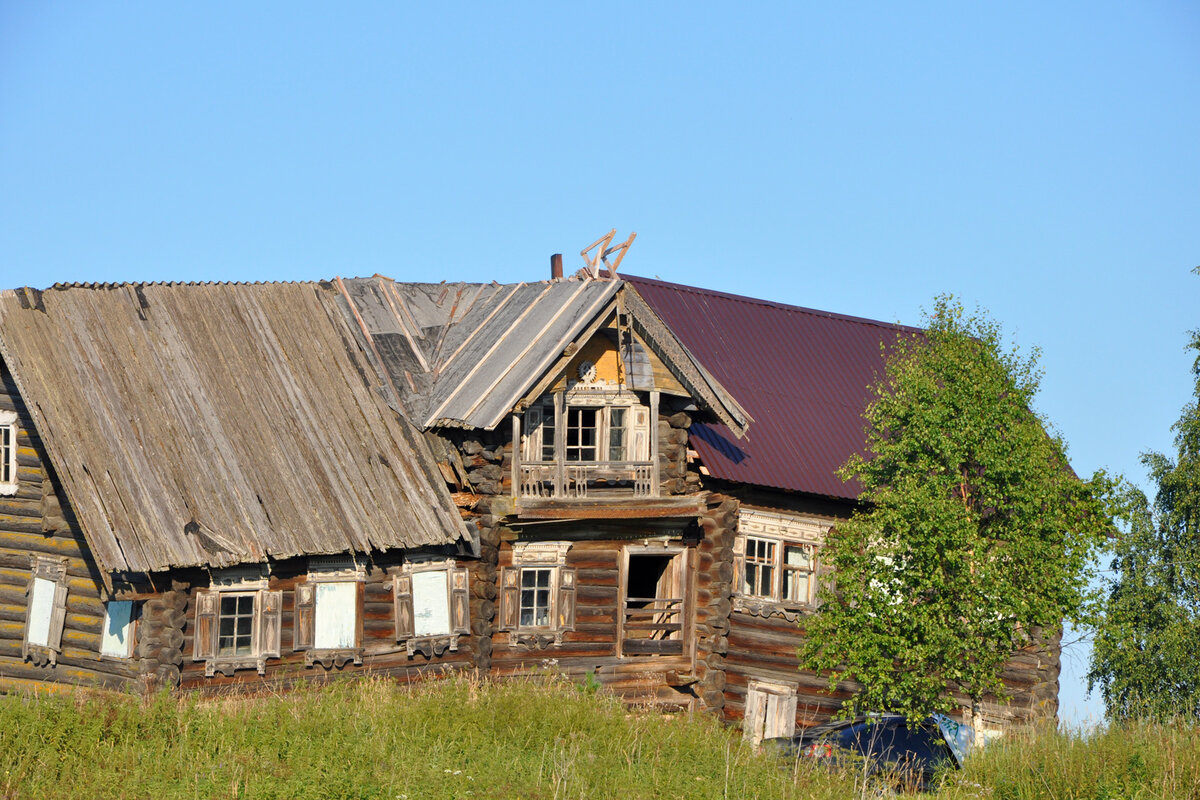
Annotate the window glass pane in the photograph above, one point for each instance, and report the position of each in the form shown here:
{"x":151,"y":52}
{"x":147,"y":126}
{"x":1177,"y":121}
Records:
{"x":431,"y":604}
{"x":535,"y":597}
{"x":236,"y":625}
{"x":117,"y":637}
{"x":581,"y":434}
{"x":795,"y":586}
{"x":7,"y":437}
{"x":40,"y":611}
{"x":616,"y":434}
{"x":335,"y":624}
{"x":796,"y":557}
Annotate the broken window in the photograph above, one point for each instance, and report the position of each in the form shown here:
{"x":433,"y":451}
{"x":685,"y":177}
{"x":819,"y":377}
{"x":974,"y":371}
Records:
{"x":654,"y":597}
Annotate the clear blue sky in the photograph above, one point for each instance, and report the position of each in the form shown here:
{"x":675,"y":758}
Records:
{"x":1040,"y":160}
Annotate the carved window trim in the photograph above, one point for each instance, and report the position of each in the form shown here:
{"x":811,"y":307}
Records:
{"x":246,"y":581}
{"x":457,"y":606}
{"x":540,"y":418}
{"x":10,"y":480}
{"x":527,"y":557}
{"x":47,"y":587}
{"x":336,"y":569}
{"x":777,"y":534}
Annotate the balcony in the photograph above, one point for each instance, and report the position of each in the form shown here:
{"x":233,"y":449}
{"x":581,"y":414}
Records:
{"x":548,"y":480}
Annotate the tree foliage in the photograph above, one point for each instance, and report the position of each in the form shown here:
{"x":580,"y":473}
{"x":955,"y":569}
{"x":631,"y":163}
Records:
{"x":1146,"y":656}
{"x":974,"y":536}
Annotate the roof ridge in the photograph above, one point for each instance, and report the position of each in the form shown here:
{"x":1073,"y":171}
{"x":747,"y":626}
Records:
{"x":771,"y":303}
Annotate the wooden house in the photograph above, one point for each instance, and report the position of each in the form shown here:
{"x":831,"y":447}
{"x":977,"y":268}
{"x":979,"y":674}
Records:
{"x":217,"y":485}
{"x":804,"y":376}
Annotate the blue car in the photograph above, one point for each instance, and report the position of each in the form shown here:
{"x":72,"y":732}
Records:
{"x":890,"y":748}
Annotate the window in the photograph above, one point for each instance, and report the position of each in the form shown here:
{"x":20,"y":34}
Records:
{"x":581,"y":434}
{"x":237,"y":622}
{"x":432,"y":605}
{"x":535,"y":597}
{"x":9,"y":480}
{"x":117,"y":637}
{"x":327,"y":622}
{"x":537,"y":593}
{"x":777,"y":557}
{"x":596,"y":428}
{"x":45,"y":611}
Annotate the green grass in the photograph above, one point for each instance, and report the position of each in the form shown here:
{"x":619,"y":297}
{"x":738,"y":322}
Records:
{"x":461,"y":738}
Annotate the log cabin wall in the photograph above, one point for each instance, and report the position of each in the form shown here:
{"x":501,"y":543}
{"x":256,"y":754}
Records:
{"x":379,"y":651}
{"x":35,"y":522}
{"x":764,"y":638}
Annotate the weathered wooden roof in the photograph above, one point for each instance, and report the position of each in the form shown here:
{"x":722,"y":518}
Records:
{"x":211,"y":424}
{"x":463,"y":355}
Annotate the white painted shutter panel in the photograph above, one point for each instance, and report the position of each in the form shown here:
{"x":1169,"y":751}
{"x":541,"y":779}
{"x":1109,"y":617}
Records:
{"x":305,"y":616}
{"x":780,"y":715}
{"x":270,"y":621}
{"x":755,"y":711}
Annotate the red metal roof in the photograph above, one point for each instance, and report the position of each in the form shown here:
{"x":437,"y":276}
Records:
{"x":802,"y":374}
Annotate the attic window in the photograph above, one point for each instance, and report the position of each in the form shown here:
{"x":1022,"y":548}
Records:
{"x":9,"y":481}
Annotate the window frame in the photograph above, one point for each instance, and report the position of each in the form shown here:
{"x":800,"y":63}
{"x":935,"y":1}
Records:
{"x":135,"y":613}
{"x":52,"y":572}
{"x":307,"y":614}
{"x":265,"y":622}
{"x":541,"y":417}
{"x":457,"y":605}
{"x":534,"y":557}
{"x":10,"y":479}
{"x":777,"y":534}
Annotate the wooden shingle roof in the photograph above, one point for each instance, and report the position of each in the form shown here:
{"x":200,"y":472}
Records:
{"x":212,"y":424}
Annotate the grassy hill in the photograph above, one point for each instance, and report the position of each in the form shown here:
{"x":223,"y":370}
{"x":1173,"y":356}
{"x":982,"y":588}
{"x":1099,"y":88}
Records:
{"x":461,"y":738}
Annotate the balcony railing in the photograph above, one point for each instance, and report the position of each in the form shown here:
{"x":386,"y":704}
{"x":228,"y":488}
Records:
{"x":652,"y":626}
{"x":580,"y":479}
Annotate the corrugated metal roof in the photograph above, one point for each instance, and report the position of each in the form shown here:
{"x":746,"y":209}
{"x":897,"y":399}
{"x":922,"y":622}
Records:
{"x":803,"y":376}
{"x":219,"y":423}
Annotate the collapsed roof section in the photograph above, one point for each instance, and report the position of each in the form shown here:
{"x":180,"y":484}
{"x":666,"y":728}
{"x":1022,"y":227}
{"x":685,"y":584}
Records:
{"x":466,"y":355}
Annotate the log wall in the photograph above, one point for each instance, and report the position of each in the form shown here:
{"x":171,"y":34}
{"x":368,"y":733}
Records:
{"x":37,"y":520}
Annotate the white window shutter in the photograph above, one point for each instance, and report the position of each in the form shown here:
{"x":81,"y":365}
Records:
{"x":58,"y":618}
{"x":641,"y":434}
{"x":531,"y":430}
{"x":739,"y":563}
